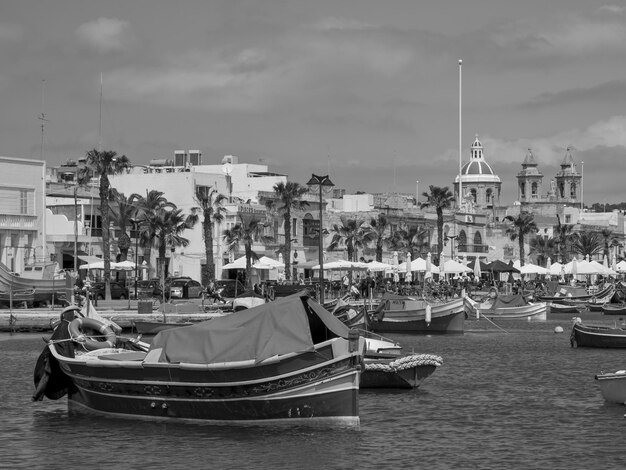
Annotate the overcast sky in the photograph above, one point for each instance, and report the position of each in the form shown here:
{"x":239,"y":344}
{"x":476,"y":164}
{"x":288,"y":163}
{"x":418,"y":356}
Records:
{"x":366,"y":91}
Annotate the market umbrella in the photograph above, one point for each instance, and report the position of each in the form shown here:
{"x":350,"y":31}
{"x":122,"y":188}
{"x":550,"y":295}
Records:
{"x":377,"y":266}
{"x":477,"y":270}
{"x":454,"y":267}
{"x":125,"y":265}
{"x":498,"y":266}
{"x":409,"y":275}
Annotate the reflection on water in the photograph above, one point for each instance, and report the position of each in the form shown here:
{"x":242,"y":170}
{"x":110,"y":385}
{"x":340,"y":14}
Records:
{"x":516,"y":399}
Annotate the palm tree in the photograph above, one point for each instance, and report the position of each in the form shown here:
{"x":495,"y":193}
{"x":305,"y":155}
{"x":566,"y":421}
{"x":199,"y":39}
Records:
{"x":414,"y":239}
{"x":105,"y":163}
{"x":563,"y":235}
{"x":122,"y":213}
{"x":543,"y":248}
{"x":211,"y":205}
{"x":440,"y":199}
{"x":353,"y":234}
{"x":587,"y":243}
{"x":606,"y":235}
{"x":381,"y":231}
{"x":524,"y":224}
{"x":170,"y":224}
{"x":248,"y":231}
{"x":289,"y":197}
{"x":147,"y":209}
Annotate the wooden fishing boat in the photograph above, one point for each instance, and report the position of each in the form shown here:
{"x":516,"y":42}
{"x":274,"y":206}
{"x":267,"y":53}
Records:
{"x":285,"y":361}
{"x":407,"y":314}
{"x":505,"y":307}
{"x":613,"y":386}
{"x":614,"y":309}
{"x":592,"y":336}
{"x":387,"y":367}
{"x":557,"y":307}
{"x":573,"y":293}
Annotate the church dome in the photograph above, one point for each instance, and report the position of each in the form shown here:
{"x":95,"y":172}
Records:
{"x":477,"y":170}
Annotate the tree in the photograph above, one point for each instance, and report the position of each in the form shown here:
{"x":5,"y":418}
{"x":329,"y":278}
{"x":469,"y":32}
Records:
{"x":381,"y":232}
{"x":587,"y":243}
{"x":353,"y":234}
{"x":289,"y":197}
{"x":248,"y":231}
{"x":148,"y":207}
{"x":606,"y":234}
{"x":543,"y":248}
{"x":105,"y":163}
{"x":563,"y":235}
{"x":122,"y":213}
{"x":414,"y":239}
{"x":524,"y":224}
{"x":211,"y":206}
{"x":439,"y":199}
{"x":170,"y":223}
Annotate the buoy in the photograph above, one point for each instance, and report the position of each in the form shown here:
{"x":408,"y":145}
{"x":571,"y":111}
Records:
{"x":558,"y":329}
{"x":428,"y":314}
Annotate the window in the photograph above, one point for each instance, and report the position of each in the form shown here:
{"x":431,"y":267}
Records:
{"x":533,"y":190}
{"x":478,"y":239}
{"x":473,"y":192}
{"x":572,"y":191}
{"x":23,"y":201}
{"x":294,"y":227}
{"x":522,"y":190}
{"x":568,"y":219}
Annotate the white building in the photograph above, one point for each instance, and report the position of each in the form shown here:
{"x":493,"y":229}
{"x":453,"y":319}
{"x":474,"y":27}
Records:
{"x":22,"y":212}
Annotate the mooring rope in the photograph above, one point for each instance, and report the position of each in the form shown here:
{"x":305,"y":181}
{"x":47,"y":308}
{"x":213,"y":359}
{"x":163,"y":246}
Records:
{"x":406,"y":362}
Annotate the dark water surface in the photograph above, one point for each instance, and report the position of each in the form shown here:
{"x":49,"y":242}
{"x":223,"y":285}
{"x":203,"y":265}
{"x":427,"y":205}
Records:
{"x":516,"y":399}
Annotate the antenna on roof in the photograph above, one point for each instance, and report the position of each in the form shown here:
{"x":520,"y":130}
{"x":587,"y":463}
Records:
{"x":42,"y":116}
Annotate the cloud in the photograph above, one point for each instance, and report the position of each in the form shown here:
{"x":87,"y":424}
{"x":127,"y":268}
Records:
{"x":550,"y":150}
{"x":341,"y":24}
{"x":603,"y":92}
{"x":612,"y":9}
{"x":10,"y":32}
{"x":105,"y":35}
{"x":570,"y":35}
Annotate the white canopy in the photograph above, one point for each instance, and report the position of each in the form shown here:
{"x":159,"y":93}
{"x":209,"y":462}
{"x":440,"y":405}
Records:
{"x":377,"y":266}
{"x":125,"y":265}
{"x":583,"y":267}
{"x":530,"y":268}
{"x":454,"y":267}
{"x":621,"y":266}
{"x":342,"y":265}
{"x":263,"y":263}
{"x":419,"y":264}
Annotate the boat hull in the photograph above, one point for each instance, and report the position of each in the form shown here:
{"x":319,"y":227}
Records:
{"x":447,"y":317}
{"x":597,"y":336}
{"x":318,"y":387}
{"x":532,"y":311}
{"x":402,"y":372}
{"x":613,"y":386}
{"x":614,"y":310}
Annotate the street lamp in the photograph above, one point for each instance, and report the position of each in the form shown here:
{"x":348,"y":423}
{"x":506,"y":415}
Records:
{"x":321,"y":181}
{"x":135,"y":223}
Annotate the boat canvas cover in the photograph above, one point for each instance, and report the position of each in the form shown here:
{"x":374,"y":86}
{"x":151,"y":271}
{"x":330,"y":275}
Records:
{"x":504,"y":301}
{"x":274,"y":328}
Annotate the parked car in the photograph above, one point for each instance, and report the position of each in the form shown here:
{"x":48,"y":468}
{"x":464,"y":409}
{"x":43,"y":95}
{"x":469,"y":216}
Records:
{"x":147,"y":289}
{"x":118,"y":290}
{"x":185,"y":289}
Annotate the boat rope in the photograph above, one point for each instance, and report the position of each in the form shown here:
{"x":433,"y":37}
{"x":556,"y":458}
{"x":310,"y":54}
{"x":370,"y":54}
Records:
{"x":406,"y":362}
{"x":497,"y":326}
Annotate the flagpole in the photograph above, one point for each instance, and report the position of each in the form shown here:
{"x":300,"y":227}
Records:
{"x":582,"y":185}
{"x":460,"y":135}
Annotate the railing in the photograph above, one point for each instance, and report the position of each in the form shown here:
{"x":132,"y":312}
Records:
{"x":473,"y":248}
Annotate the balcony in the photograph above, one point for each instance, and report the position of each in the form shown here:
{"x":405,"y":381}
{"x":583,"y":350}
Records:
{"x":18,"y":222}
{"x":473,"y":248}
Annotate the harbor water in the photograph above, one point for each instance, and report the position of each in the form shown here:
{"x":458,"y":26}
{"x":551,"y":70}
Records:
{"x":517,"y":396}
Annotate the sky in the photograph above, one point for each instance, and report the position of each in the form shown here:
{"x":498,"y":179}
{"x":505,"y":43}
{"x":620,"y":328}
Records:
{"x":365,"y":91}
